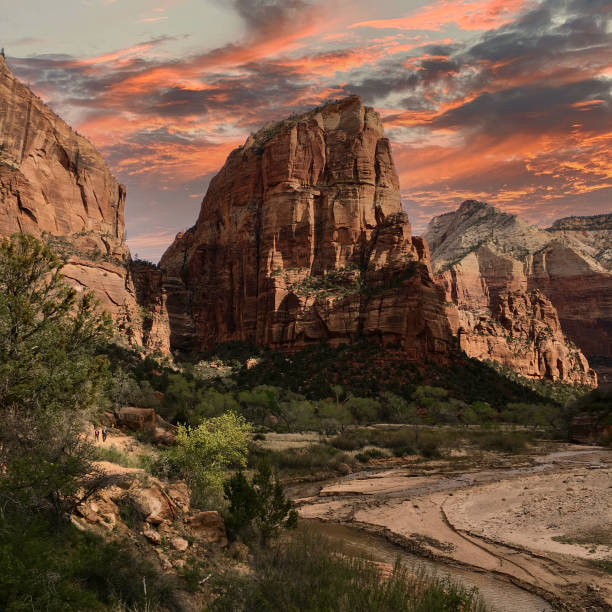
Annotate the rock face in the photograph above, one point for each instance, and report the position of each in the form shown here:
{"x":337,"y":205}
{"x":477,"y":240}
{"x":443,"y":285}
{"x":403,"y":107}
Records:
{"x":507,"y":279}
{"x":301,"y":238}
{"x":56,"y":186}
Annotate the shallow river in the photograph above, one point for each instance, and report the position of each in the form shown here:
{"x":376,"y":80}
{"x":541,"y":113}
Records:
{"x":498,"y":594}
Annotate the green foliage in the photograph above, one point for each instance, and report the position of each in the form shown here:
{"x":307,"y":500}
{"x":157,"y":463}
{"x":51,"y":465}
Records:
{"x":367,"y":369}
{"x":202,"y":453}
{"x":503,"y":441}
{"x":262,"y":504}
{"x":63,"y":570}
{"x":372,"y":453}
{"x":320,"y":458}
{"x":49,"y":376}
{"x":311,"y":574}
{"x":363,"y":409}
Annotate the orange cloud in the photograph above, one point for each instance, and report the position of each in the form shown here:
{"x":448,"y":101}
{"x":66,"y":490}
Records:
{"x":467,"y":14}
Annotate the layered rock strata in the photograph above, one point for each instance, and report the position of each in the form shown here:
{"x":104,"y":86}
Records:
{"x":486,"y":260}
{"x":56,"y":186}
{"x":301,"y":238}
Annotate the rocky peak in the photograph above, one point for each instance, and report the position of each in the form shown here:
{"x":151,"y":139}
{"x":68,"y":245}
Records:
{"x":591,"y":223}
{"x":480,"y":253}
{"x":474,"y":224}
{"x":55,"y":185}
{"x":590,"y":235}
{"x":301,"y":238}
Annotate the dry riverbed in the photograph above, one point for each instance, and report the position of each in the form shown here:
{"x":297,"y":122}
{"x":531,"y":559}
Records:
{"x":546,"y":525}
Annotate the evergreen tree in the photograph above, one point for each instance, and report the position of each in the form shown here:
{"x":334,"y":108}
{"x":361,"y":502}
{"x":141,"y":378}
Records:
{"x":50,"y":375}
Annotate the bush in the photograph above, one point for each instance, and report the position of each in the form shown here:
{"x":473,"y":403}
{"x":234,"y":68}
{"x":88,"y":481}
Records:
{"x":262,"y":503}
{"x":68,"y":570}
{"x":50,"y":376}
{"x":504,"y":441}
{"x":313,"y":458}
{"x":372,"y":453}
{"x":203,"y":453}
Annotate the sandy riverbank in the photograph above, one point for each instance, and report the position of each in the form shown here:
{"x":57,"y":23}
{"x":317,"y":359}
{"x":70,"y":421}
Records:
{"x":520,"y":523}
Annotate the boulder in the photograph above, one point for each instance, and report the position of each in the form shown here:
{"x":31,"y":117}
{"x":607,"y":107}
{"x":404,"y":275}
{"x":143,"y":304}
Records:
{"x":179,"y":493}
{"x":179,"y":544}
{"x":152,"y":535}
{"x":209,"y":526}
{"x":152,"y":504}
{"x":136,"y":419}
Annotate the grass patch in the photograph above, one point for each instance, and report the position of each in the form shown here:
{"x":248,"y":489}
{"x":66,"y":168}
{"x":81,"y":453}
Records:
{"x":605,"y":565}
{"x":595,"y":536}
{"x":502,"y":441}
{"x":371,"y":453}
{"x":309,"y":573}
{"x":113,"y":455}
{"x":308,"y":459}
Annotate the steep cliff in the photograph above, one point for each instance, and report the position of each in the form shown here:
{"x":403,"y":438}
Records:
{"x":301,"y":238}
{"x":56,"y":186}
{"x":483,"y":256}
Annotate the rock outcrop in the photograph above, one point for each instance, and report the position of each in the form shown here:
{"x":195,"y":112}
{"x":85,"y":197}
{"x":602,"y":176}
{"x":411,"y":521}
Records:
{"x":507,"y":279}
{"x":56,"y":186}
{"x":301,"y":238}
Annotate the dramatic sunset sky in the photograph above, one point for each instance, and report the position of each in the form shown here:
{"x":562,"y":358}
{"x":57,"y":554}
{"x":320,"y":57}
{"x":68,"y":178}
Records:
{"x":508,"y":101}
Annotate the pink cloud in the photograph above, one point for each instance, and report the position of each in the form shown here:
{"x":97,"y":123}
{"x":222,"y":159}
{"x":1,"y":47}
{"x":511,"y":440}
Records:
{"x":467,"y":14}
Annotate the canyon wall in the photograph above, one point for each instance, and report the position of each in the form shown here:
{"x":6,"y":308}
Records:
{"x":301,"y":238}
{"x":533,"y":299}
{"x":56,"y":186}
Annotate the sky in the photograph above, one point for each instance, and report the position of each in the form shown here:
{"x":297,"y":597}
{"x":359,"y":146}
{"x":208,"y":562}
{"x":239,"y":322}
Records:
{"x":505,"y":101}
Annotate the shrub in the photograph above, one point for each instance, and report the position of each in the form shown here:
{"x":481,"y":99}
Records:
{"x":43,"y":568}
{"x":50,"y":376}
{"x":315,"y":457}
{"x":202,"y":453}
{"x":372,"y":453}
{"x":504,"y":441}
{"x":262,"y":503}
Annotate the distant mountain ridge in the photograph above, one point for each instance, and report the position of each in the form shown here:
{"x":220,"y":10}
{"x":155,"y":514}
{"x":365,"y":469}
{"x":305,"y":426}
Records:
{"x":480,"y":253}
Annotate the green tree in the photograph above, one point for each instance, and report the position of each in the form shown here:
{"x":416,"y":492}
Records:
{"x":274,"y":510}
{"x":333,"y":415}
{"x":261,"y":504}
{"x":50,"y":375}
{"x":243,"y":502}
{"x":364,"y":409}
{"x":202,"y":453}
{"x":485,"y":413}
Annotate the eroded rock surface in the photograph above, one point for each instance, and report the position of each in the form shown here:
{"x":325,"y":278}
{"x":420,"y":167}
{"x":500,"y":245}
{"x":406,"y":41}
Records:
{"x":507,"y":280}
{"x":301,"y":238}
{"x":56,"y":186}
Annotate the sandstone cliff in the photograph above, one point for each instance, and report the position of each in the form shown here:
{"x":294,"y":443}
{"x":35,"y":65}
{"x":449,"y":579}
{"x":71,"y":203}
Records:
{"x":301,"y":238}
{"x":55,"y":185}
{"x":484,"y":257}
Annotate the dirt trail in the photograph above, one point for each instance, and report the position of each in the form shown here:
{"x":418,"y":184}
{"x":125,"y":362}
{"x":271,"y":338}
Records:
{"x":509,"y":522}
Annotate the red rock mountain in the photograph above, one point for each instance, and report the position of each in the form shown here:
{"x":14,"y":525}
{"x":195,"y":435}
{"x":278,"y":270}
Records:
{"x":301,"y":238}
{"x":517,"y":289}
{"x":55,"y":185}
